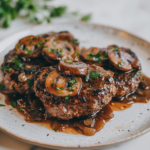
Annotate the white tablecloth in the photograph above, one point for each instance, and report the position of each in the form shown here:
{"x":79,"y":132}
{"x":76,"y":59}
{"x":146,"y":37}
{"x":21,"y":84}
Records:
{"x":130,"y":15}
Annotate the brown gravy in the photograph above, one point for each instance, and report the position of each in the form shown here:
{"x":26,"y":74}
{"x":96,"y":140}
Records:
{"x":33,"y":111}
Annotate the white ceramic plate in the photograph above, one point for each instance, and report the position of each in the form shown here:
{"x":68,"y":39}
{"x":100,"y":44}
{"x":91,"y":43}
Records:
{"x":136,"y":119}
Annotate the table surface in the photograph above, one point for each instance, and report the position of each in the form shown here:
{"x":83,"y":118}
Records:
{"x":129,"y":15}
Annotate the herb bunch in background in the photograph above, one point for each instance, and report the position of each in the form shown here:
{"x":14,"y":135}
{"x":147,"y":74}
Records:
{"x":35,"y":11}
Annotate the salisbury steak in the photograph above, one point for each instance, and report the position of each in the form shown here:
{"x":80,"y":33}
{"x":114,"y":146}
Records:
{"x":19,"y":72}
{"x":69,"y":96}
{"x":127,"y":82}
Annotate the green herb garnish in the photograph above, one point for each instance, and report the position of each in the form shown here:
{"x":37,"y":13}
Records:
{"x":30,"y":82}
{"x":55,"y":130}
{"x":40,"y":43}
{"x":2,"y":86}
{"x":77,"y":54}
{"x":70,"y":89}
{"x":13,"y":104}
{"x":86,"y":78}
{"x":94,"y":74}
{"x":75,"y":41}
{"x":19,"y":46}
{"x":54,"y":43}
{"x":6,"y":68}
{"x":52,"y":84}
{"x":23,"y":125}
{"x":28,"y":51}
{"x":18,"y":64}
{"x":59,"y":92}
{"x":72,"y":81}
{"x":59,"y":88}
{"x":120,"y":65}
{"x":105,"y":55}
{"x":2,"y":105}
{"x":115,"y":49}
{"x":67,"y":98}
{"x":96,"y":57}
{"x":86,"y":17}
{"x":136,"y":74}
{"x":20,"y":109}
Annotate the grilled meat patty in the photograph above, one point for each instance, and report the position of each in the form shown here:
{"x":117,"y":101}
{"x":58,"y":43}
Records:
{"x":19,"y":72}
{"x":93,"y":94}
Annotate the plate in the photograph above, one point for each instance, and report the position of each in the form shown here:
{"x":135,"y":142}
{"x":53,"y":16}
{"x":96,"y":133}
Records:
{"x":125,"y":125}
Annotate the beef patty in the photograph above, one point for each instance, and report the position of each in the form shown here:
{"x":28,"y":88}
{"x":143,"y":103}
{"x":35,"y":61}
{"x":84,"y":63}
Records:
{"x":93,"y":92}
{"x":19,"y":72}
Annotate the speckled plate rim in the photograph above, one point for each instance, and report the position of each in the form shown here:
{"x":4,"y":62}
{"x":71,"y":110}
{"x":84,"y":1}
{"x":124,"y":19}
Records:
{"x":74,"y":147}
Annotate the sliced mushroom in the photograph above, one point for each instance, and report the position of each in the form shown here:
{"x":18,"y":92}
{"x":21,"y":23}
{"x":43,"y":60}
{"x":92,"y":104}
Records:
{"x":57,"y":50}
{"x":95,"y":54}
{"x":30,"y":46}
{"x":75,"y":68}
{"x":62,"y":86}
{"x":123,"y":59}
{"x":65,"y":35}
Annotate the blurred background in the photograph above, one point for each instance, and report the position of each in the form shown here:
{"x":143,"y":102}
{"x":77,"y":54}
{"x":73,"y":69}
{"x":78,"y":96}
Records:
{"x":130,"y":15}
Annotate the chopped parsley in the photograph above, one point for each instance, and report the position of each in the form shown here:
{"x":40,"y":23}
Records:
{"x":6,"y":68}
{"x":72,"y":81}
{"x":68,"y":62}
{"x":115,"y":49}
{"x":2,"y":86}
{"x":120,"y":65}
{"x":50,"y":49}
{"x":75,"y":41}
{"x":28,"y":51}
{"x":59,"y":92}
{"x":55,"y":130}
{"x":67,"y":47}
{"x":77,"y":54}
{"x":136,"y":74}
{"x":20,"y":109}
{"x":30,"y":82}
{"x":18,"y":64}
{"x":96,"y":57}
{"x":94,"y":74}
{"x":105,"y":55}
{"x":54,"y":43}
{"x":70,"y":89}
{"x":67,"y":98}
{"x":46,"y":74}
{"x":143,"y":79}
{"x":13,"y":104}
{"x":13,"y":87}
{"x":32,"y":70}
{"x":18,"y":46}
{"x":23,"y":125}
{"x":86,"y":78}
{"x":59,"y":51}
{"x":31,"y":42}
{"x":2,"y":105}
{"x":59,"y":88}
{"x":40,"y":43}
{"x":52,"y":84}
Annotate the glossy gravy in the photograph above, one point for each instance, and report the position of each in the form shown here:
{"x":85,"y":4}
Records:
{"x":33,"y":111}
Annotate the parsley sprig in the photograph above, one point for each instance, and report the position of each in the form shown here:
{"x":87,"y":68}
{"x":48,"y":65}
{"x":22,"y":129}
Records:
{"x":17,"y":64}
{"x":12,"y":9}
{"x":95,"y":57}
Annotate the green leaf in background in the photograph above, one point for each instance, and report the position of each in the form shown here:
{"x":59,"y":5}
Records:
{"x":58,"y":11}
{"x":12,"y":9}
{"x":86,"y":17}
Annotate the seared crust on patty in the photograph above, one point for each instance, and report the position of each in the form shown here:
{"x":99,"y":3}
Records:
{"x":94,"y":94}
